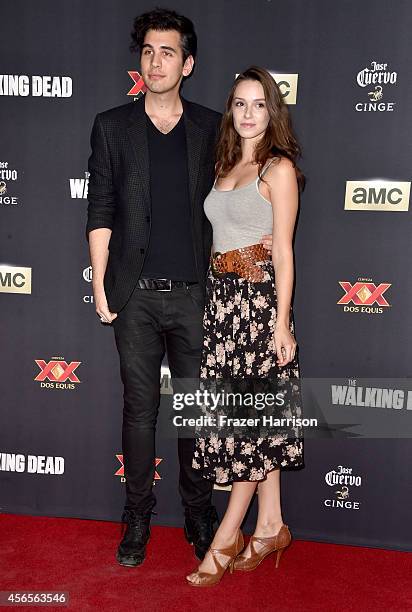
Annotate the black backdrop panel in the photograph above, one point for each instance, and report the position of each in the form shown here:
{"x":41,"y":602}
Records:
{"x":61,"y":395}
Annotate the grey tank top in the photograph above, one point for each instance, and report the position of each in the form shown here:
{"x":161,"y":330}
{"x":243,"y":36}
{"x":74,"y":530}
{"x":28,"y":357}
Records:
{"x":239,"y":217}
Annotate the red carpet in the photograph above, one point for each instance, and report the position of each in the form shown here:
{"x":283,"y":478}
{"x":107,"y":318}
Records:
{"x":78,"y":557}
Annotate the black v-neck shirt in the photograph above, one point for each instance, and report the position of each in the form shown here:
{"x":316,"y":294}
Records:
{"x":170,"y":253}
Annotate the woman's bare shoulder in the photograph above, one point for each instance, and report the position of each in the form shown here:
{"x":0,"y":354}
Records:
{"x":280,"y":164}
{"x":280,"y":172}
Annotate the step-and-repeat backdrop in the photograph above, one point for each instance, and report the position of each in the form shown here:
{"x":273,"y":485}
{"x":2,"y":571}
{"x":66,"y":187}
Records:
{"x":344,"y":69}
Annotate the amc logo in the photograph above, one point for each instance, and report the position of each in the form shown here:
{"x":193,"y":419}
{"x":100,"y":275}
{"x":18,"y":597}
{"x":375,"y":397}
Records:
{"x":15,"y":280}
{"x":288,"y":85}
{"x":377,"y":195}
{"x":218,"y":487}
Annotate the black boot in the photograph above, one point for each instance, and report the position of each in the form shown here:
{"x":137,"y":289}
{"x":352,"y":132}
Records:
{"x":200,"y":529}
{"x":132,"y":548}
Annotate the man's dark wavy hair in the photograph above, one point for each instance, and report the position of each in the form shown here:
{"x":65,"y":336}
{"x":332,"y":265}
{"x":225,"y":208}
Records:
{"x":164,"y":20}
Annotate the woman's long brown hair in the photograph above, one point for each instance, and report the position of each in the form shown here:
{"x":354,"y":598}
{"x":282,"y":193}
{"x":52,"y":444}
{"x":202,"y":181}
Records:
{"x":278,"y":140}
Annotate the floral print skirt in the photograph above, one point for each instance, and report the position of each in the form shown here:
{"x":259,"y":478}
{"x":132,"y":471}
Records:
{"x":238,"y":344}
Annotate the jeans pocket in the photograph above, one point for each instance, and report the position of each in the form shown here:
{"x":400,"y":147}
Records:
{"x":197,"y":295}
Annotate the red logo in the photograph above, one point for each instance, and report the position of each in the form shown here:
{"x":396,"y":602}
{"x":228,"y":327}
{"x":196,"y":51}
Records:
{"x":120,"y":471}
{"x":139,"y":88}
{"x":364,"y":293}
{"x":57,"y":370}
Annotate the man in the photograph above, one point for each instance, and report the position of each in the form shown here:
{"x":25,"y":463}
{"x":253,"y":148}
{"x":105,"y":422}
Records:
{"x":151,"y":167}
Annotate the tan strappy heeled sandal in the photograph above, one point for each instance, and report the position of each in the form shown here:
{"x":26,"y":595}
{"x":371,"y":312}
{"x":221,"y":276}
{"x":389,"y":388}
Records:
{"x":232,"y":552}
{"x":267,"y":546}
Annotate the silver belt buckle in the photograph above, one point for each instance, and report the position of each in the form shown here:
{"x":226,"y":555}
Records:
{"x":170,"y":284}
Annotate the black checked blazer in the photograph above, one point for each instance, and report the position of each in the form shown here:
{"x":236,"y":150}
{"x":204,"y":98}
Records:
{"x":119,"y":190}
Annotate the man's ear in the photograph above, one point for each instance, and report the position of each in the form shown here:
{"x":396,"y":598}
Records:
{"x":188,"y":66}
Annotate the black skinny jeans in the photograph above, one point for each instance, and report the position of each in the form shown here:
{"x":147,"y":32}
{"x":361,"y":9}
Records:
{"x":151,"y":323}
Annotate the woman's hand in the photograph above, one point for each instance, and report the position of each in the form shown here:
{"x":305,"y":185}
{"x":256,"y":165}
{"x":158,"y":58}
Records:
{"x":285,"y":345}
{"x":267,"y":240}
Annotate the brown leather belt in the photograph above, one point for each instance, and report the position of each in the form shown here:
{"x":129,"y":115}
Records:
{"x":241,"y":262}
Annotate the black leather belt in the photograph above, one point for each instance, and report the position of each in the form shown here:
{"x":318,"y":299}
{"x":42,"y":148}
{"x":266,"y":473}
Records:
{"x":162,"y":284}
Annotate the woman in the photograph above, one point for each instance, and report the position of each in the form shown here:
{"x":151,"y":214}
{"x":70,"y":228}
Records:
{"x":248,"y":319}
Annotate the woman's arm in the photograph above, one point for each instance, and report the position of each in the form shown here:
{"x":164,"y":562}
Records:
{"x":284,"y":197}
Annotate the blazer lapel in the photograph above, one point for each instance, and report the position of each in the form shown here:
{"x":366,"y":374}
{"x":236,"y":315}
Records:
{"x":194,"y":141}
{"x":137,"y":134}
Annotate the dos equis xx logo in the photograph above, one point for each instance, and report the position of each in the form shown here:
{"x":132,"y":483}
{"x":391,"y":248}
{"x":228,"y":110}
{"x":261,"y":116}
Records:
{"x":120,"y":471}
{"x":139,"y":88}
{"x":364,"y":296}
{"x":57,"y":373}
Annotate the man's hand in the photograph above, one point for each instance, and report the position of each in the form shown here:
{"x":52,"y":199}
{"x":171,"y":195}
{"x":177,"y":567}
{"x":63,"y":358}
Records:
{"x":99,"y":252}
{"x":102,"y":308}
{"x":266,"y":240}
